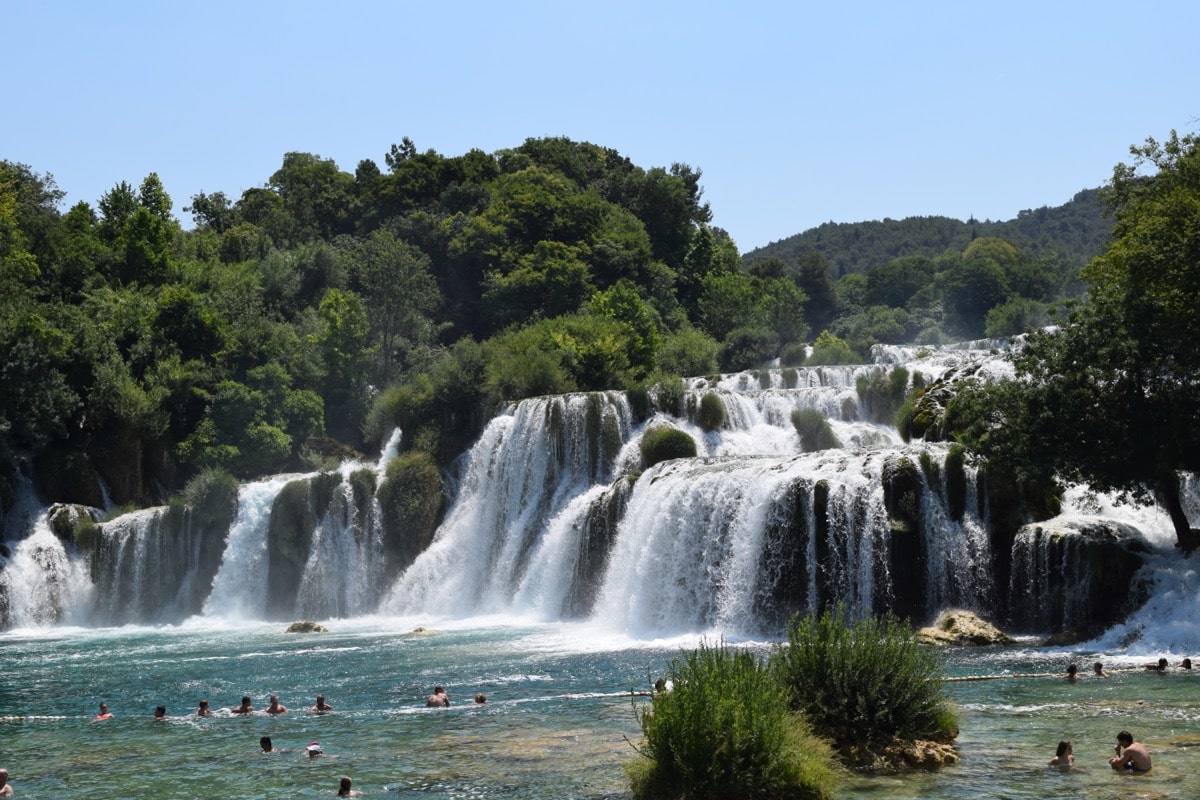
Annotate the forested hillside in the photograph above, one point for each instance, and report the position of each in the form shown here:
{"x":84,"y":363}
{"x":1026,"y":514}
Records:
{"x":308,"y":317}
{"x":1075,"y":231}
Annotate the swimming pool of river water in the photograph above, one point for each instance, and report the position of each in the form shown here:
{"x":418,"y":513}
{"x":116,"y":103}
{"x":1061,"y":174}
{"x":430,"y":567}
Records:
{"x":558,"y":721}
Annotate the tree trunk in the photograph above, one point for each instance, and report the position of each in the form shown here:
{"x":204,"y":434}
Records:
{"x":1167,"y":492}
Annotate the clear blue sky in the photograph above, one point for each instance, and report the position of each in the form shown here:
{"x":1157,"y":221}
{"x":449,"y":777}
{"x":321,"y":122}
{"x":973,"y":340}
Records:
{"x":797,"y":112}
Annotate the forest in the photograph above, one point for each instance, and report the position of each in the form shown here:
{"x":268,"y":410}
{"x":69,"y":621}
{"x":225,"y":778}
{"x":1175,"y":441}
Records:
{"x":304,"y":320}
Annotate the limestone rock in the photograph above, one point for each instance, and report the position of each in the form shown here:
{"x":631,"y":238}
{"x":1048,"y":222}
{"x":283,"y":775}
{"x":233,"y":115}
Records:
{"x":959,"y":627}
{"x":899,"y":755}
{"x":307,"y":627}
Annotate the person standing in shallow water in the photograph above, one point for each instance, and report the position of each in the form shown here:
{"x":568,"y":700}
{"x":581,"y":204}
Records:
{"x":1098,"y":670}
{"x":103,"y":715}
{"x":439,"y":698}
{"x":6,"y":789}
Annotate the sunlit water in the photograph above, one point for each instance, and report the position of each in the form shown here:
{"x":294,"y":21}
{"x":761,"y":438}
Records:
{"x":558,"y":722}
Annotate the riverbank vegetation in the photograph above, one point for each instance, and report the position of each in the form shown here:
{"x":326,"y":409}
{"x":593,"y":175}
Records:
{"x":300,"y":322}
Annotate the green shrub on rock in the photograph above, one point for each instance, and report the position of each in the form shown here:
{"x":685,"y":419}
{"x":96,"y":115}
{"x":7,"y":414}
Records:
{"x":864,"y":682}
{"x":724,"y":732}
{"x":814,"y":430}
{"x":712,"y":411}
{"x":662,"y":443}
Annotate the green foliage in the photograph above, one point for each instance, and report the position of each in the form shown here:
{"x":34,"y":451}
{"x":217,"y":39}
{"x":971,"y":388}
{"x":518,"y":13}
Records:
{"x":211,"y":495}
{"x":688,"y":352}
{"x":724,"y":732}
{"x":814,"y":430}
{"x":663,"y":442}
{"x":864,"y":681}
{"x":411,"y":498}
{"x":1015,"y":316}
{"x":882,"y":394}
{"x":747,"y":347}
{"x":829,"y":350}
{"x":668,"y":392}
{"x":560,"y":355}
{"x":1076,"y":230}
{"x":712,"y":411}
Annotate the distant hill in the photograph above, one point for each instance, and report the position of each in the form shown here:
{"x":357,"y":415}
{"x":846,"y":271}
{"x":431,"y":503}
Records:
{"x":1076,"y":231}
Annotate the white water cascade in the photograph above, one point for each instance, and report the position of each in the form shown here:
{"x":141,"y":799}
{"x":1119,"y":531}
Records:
{"x":551,"y":515}
{"x":240,"y":587}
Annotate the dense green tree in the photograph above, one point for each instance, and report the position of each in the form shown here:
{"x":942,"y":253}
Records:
{"x":971,"y":288}
{"x":315,"y":193}
{"x":400,"y":296}
{"x":1111,"y":397}
{"x":688,"y":351}
{"x":811,"y":273}
{"x":344,"y":342}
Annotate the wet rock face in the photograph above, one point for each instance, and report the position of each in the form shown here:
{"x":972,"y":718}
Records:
{"x":959,"y":627}
{"x":305,"y":626}
{"x":1075,"y":574}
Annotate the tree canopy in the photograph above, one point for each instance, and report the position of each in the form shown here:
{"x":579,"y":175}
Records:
{"x":1112,"y":395}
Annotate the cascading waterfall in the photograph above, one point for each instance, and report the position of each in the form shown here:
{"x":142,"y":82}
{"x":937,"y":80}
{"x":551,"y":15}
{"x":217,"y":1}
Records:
{"x":43,"y":581}
{"x":344,"y":570}
{"x":44,"y":584}
{"x":551,"y":517}
{"x":526,"y":468}
{"x":154,"y":562}
{"x":240,"y":587}
{"x":738,"y":544}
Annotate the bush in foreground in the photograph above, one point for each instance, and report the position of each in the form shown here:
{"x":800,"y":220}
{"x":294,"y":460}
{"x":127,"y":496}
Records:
{"x":725,"y":732}
{"x":864,"y":682}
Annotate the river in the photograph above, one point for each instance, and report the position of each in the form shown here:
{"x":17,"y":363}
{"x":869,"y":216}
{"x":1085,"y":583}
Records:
{"x":559,"y":719}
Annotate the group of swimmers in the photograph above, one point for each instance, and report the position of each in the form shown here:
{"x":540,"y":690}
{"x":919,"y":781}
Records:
{"x":1130,"y":755}
{"x":439,"y":699}
{"x":1072,"y":673}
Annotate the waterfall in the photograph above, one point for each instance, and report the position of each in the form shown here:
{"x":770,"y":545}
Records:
{"x":526,"y":468}
{"x":344,"y":569}
{"x":45,"y":583}
{"x":154,"y":564}
{"x":736,"y":545}
{"x":240,"y":587}
{"x":43,"y":580}
{"x":553,"y":515}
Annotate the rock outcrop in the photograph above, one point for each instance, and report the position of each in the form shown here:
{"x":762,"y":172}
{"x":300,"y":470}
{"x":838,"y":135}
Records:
{"x":959,"y":627}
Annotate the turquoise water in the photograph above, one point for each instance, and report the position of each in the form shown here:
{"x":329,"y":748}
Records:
{"x":557,"y":723}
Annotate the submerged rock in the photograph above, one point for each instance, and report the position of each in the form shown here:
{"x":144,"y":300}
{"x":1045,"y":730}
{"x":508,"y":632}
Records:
{"x":959,"y":627}
{"x":307,"y":627}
